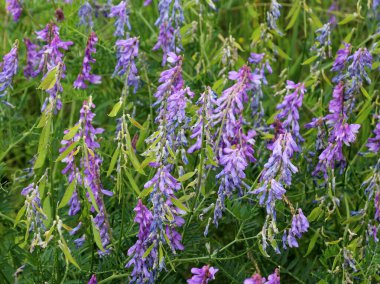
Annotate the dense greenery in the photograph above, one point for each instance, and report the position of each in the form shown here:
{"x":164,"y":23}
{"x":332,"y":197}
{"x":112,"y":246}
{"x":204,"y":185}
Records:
{"x":336,"y":248}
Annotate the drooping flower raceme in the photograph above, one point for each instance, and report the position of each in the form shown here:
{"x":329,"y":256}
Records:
{"x":14,"y":8}
{"x":85,"y":15}
{"x":86,"y":67}
{"x":121,"y":13}
{"x":33,"y":58}
{"x":235,"y":149}
{"x":169,"y":24}
{"x":141,"y":266}
{"x":290,"y":108}
{"x":202,"y":275}
{"x":127,"y":52}
{"x":300,"y":225}
{"x":9,"y":69}
{"x":90,"y":165}
{"x":273,"y":15}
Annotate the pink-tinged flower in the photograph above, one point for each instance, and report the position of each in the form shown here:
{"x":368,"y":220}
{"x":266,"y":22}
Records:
{"x":274,"y":278}
{"x":93,"y":280}
{"x":202,"y":275}
{"x":14,"y":8}
{"x":86,"y":67}
{"x":121,"y":13}
{"x":8,"y":70}
{"x":373,"y":144}
{"x":255,"y":279}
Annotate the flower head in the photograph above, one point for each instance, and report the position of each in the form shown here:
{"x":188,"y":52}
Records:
{"x":202,"y":275}
{"x":85,"y":15}
{"x":9,"y":69}
{"x":121,"y":13}
{"x":14,"y":8}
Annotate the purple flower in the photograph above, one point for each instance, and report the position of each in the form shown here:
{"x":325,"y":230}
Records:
{"x":121,"y":13}
{"x":273,"y":15}
{"x":274,"y":278}
{"x":14,"y":8}
{"x":300,"y":224}
{"x":341,"y":58}
{"x":9,"y":69}
{"x":90,"y":165}
{"x":373,"y":144}
{"x":86,"y":67}
{"x":127,"y":52}
{"x":33,"y":58}
{"x":165,"y":41}
{"x":85,"y":15}
{"x":256,"y":58}
{"x":290,"y":108}
{"x":255,"y":279}
{"x":93,"y":280}
{"x":141,"y":265}
{"x":203,"y":126}
{"x":202,"y":275}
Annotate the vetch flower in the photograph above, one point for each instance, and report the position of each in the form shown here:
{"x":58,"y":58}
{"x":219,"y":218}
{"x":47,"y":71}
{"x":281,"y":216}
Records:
{"x":273,"y":15}
{"x":9,"y":69}
{"x":373,"y":144}
{"x":33,"y":58}
{"x":202,"y":275}
{"x":121,"y":13}
{"x":93,"y":280}
{"x":86,"y":67}
{"x":14,"y":8}
{"x":85,"y":15}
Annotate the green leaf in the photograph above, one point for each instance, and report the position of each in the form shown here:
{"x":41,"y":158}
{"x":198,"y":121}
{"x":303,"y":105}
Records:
{"x":186,"y":176}
{"x":218,"y":85}
{"x":178,"y":203}
{"x":365,"y":93}
{"x":147,"y":252}
{"x":314,"y":214}
{"x":364,"y":113}
{"x":68,"y":194}
{"x":67,"y":253}
{"x":161,"y":253}
{"x":132,"y":182}
{"x":146,"y":192}
{"x":20,"y":213}
{"x":73,"y":130}
{"x":43,"y":145}
{"x":96,"y":234}
{"x":312,"y":243}
{"x":113,"y":161}
{"x":170,"y":151}
{"x":50,"y":79}
{"x":210,"y":155}
{"x":310,"y":60}
{"x":294,"y":17}
{"x":135,"y":123}
{"x":47,"y":210}
{"x":93,"y":201}
{"x":347,"y":19}
{"x":115,"y":109}
{"x":143,"y":135}
{"x":68,"y":150}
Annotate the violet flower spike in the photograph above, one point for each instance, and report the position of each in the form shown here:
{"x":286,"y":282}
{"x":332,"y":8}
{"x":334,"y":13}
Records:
{"x":86,"y":67}
{"x":14,"y":8}
{"x":9,"y":69}
{"x":121,"y":13}
{"x":290,"y":108}
{"x":273,"y":15}
{"x":373,"y":144}
{"x":202,"y":275}
{"x":85,"y":15}
{"x":93,"y":280}
{"x":33,"y":57}
{"x":127,"y":52}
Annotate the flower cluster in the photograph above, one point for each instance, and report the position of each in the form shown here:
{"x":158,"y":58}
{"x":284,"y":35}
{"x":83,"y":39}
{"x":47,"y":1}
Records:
{"x":85,"y":133}
{"x":273,"y":15}
{"x":121,"y":13}
{"x":14,"y":8}
{"x":141,"y":266}
{"x":300,"y":225}
{"x":340,"y":133}
{"x":33,"y":58}
{"x":127,"y":52}
{"x":85,"y":15}
{"x":166,"y":216}
{"x":235,"y":149}
{"x":9,"y":69}
{"x":86,"y":67}
{"x":273,"y":278}
{"x":202,"y":275}
{"x":169,"y":26}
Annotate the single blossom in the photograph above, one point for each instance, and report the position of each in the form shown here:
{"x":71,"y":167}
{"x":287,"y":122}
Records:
{"x":86,"y":67}
{"x":202,"y":275}
{"x":8,"y":70}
